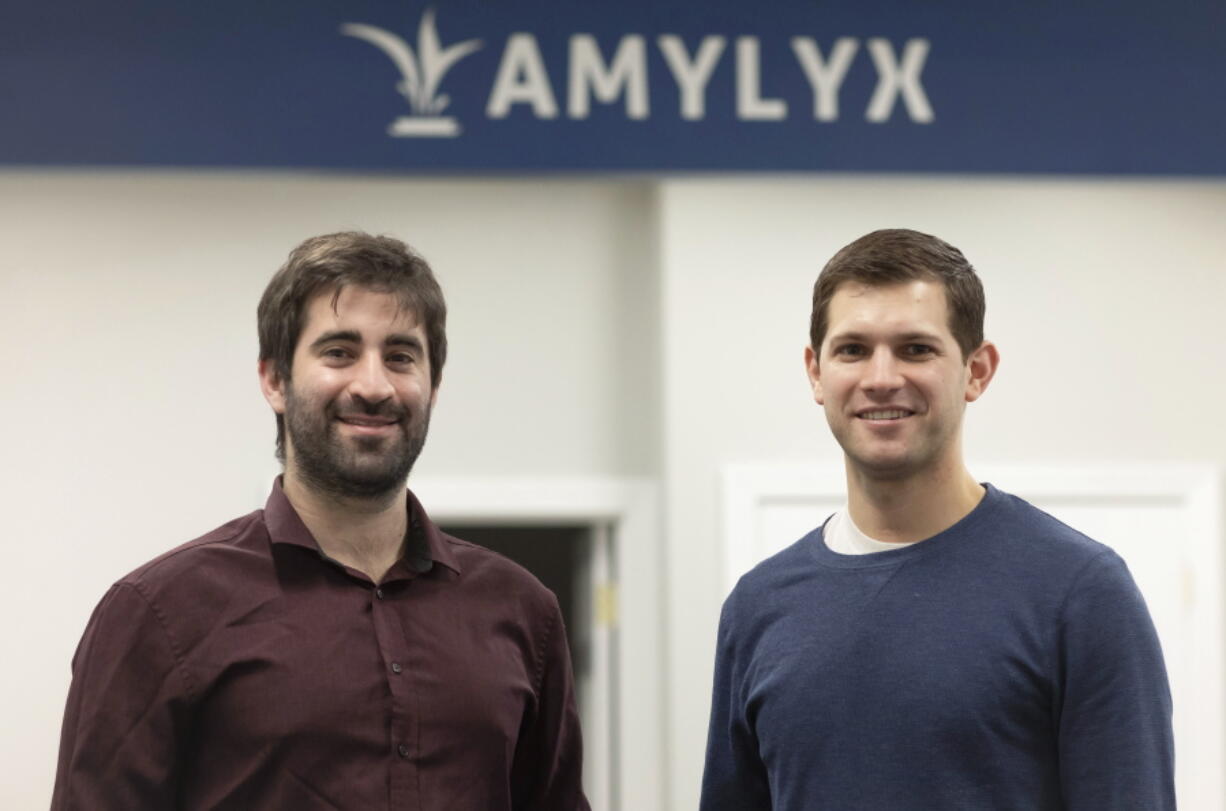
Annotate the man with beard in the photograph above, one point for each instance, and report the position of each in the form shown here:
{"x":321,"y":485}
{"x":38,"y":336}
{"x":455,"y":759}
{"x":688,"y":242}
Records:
{"x":335,"y":649}
{"x":937,"y":643}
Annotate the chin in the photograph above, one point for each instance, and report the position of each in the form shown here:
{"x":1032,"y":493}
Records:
{"x":885,"y":468}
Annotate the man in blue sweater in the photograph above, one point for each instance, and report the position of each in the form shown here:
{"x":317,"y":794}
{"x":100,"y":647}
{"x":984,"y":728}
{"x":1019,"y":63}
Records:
{"x":938,"y":644}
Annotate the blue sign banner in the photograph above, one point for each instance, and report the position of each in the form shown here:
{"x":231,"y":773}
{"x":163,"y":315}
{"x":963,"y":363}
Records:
{"x":1089,"y":87}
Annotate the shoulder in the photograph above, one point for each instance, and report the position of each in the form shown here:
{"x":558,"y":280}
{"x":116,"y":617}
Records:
{"x":774,"y":578}
{"x":1022,"y":550}
{"x":1029,"y":533}
{"x":209,"y":562}
{"x":484,"y":570}
{"x":173,"y":599}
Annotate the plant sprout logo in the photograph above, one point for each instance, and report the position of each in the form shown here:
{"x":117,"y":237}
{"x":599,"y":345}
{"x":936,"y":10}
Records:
{"x":420,"y":74}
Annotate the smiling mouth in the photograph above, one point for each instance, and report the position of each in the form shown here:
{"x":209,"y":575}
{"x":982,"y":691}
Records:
{"x":368,"y":422}
{"x":885,"y":414}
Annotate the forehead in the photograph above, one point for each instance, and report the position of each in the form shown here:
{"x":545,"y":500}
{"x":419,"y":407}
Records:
{"x":371,"y":313}
{"x":914,"y":306}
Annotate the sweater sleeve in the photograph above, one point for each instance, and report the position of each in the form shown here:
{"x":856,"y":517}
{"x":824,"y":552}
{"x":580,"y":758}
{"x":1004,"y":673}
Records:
{"x":734,"y":777}
{"x":1115,"y":744}
{"x":124,"y":724}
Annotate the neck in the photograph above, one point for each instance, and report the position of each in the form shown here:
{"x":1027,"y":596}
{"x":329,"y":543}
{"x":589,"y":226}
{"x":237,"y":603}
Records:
{"x":912,"y":508}
{"x":363,"y":534}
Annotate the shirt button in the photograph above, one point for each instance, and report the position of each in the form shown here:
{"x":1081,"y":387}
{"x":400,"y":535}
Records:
{"x":396,"y":668}
{"x":403,"y":749}
{"x":379,"y":593}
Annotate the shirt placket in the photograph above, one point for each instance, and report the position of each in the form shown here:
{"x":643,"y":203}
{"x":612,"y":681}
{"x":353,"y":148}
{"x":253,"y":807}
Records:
{"x":404,"y":742}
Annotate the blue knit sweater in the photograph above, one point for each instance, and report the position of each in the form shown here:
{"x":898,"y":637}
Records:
{"x":1007,"y":663}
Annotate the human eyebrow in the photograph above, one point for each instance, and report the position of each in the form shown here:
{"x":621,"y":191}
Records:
{"x":920,"y":337}
{"x":347,"y":336}
{"x":854,"y":337}
{"x":400,"y":339}
{"x":848,"y":337}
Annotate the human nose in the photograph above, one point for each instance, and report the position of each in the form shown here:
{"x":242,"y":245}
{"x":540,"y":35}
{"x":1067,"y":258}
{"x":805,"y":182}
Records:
{"x":882,"y":373}
{"x":370,"y":380}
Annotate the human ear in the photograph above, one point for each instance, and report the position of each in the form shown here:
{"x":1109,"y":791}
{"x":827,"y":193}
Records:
{"x":272,"y":386}
{"x":981,"y":366}
{"x":813,"y":370}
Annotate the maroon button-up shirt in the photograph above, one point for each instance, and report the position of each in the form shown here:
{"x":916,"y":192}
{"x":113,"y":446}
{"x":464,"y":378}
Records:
{"x":247,"y":670}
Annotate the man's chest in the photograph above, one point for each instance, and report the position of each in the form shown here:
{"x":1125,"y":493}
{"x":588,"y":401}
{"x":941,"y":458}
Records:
{"x":394,"y":672}
{"x":901,"y":667}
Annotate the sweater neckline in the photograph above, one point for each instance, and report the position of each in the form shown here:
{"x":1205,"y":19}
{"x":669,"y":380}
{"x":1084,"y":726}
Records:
{"x":962,"y":528}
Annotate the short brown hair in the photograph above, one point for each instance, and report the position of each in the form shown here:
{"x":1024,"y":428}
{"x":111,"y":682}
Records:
{"x":896,"y":255}
{"x":332,"y":262}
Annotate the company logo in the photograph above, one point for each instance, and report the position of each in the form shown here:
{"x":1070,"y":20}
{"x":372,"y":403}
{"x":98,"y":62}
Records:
{"x":523,"y":82}
{"x":420,"y":73}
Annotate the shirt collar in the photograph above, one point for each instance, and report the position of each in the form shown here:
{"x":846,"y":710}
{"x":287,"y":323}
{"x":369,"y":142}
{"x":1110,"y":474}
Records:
{"x":425,"y":544}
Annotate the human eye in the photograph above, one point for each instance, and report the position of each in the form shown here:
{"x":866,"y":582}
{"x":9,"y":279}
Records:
{"x":849,"y":351}
{"x":918,"y":350}
{"x":336,"y":354}
{"x":401,"y":358}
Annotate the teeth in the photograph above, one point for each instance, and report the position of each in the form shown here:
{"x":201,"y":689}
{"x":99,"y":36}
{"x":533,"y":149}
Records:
{"x":895,"y":414}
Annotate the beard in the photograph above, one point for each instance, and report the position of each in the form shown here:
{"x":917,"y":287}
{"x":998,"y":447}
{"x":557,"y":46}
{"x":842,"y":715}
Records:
{"x":362,"y":467}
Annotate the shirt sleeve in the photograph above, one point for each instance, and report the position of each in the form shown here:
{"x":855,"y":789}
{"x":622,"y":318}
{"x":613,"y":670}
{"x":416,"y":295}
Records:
{"x":547,"y":770}
{"x":734,"y":776}
{"x":125,"y":717}
{"x":1115,"y":743}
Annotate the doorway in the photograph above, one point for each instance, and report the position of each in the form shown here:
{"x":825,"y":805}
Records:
{"x":574,"y":561}
{"x":612,"y":573}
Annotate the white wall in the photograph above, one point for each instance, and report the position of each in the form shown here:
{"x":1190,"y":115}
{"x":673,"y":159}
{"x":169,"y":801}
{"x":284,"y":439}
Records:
{"x":598,"y":327}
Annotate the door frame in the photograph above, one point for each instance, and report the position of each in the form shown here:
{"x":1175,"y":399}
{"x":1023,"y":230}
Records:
{"x":622,"y":764}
